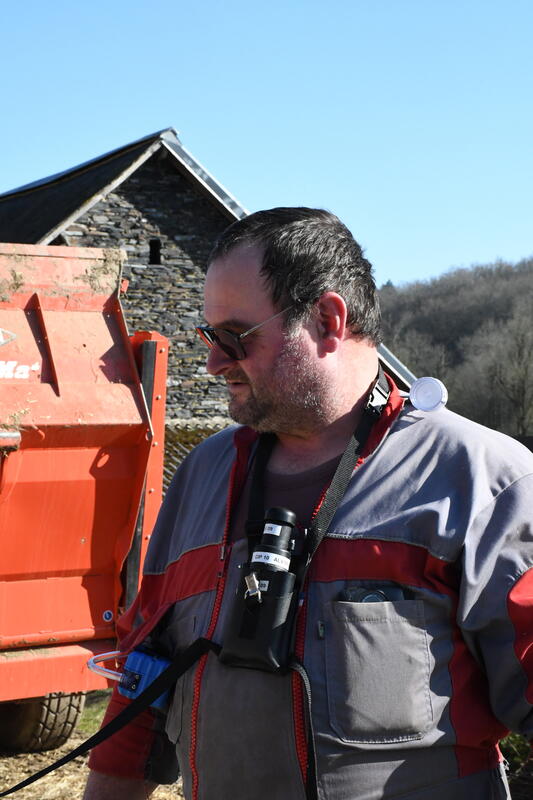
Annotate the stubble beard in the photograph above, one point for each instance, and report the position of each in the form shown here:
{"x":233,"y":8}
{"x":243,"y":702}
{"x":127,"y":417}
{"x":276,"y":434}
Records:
{"x":293,"y":398}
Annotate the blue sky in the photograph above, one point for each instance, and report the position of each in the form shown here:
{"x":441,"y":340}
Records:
{"x":410,"y":119}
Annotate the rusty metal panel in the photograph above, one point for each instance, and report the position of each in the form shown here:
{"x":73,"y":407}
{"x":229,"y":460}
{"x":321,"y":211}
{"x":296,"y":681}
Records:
{"x":65,"y":277}
{"x":75,"y":442}
{"x":40,"y":671}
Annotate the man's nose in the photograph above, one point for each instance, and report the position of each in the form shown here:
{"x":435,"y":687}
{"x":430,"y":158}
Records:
{"x":218,"y":361}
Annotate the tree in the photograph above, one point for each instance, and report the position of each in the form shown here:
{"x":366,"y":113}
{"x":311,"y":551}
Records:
{"x":494,"y":384}
{"x":513,"y":366}
{"x":472,"y":329}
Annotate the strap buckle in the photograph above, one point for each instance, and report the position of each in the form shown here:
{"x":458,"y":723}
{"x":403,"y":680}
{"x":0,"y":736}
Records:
{"x":379,"y":395}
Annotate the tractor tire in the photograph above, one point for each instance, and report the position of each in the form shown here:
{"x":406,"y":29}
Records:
{"x":40,"y":723}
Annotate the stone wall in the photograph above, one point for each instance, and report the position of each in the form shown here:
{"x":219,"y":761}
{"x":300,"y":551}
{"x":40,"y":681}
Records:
{"x":158,"y":203}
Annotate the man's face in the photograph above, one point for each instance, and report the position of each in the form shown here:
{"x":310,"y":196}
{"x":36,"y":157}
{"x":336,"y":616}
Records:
{"x":279,"y":386}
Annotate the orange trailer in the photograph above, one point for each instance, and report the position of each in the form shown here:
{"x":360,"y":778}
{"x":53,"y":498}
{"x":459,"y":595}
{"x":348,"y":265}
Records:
{"x":82,"y":407}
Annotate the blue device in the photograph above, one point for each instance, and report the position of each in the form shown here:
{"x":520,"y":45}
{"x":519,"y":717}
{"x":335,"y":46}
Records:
{"x":139,"y":671}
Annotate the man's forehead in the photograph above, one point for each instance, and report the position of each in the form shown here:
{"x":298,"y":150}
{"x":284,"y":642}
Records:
{"x":247,"y":258}
{"x":234,"y":288}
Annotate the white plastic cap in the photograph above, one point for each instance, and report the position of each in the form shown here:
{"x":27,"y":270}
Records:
{"x":428,"y":394}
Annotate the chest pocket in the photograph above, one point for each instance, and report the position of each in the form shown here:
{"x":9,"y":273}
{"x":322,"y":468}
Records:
{"x":377,"y":671}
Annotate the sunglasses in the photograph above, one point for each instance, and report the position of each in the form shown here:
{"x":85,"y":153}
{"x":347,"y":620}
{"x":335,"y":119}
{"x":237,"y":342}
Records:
{"x":229,"y":342}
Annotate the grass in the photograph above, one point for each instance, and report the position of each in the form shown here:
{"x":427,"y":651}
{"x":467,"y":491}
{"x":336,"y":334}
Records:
{"x":516,"y":751}
{"x":93,"y":713}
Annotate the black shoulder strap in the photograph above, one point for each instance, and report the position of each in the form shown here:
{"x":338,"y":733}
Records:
{"x":256,"y":509}
{"x":334,"y":494}
{"x":375,"y":404}
{"x":163,"y":681}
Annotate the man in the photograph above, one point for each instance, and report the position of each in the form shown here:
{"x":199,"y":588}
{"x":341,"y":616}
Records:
{"x":414,"y":625}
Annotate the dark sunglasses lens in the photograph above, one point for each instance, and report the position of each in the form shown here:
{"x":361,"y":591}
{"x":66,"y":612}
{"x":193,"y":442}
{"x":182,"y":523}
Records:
{"x":229,"y":344}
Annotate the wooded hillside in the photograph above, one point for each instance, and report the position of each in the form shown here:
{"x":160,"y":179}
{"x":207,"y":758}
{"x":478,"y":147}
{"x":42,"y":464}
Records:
{"x":473,"y":329}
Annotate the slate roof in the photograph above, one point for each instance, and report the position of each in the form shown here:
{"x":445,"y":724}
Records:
{"x":36,"y":212}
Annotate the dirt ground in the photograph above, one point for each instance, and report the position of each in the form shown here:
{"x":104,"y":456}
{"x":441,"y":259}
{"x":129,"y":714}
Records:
{"x":522,"y":784}
{"x":67,"y":783}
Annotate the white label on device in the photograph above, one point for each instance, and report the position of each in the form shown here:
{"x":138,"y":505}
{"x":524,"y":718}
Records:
{"x":271,"y":529}
{"x":261,"y":557}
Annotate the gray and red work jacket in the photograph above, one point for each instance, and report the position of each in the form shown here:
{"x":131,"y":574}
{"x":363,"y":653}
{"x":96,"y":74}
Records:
{"x":409,"y":697}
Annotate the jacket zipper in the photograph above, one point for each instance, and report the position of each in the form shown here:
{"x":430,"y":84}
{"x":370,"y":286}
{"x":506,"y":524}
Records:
{"x":238,"y":467}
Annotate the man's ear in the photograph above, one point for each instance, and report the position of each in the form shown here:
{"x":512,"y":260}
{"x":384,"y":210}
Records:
{"x":331,"y":320}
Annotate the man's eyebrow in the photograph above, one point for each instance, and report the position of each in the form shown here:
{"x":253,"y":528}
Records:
{"x":233,"y":322}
